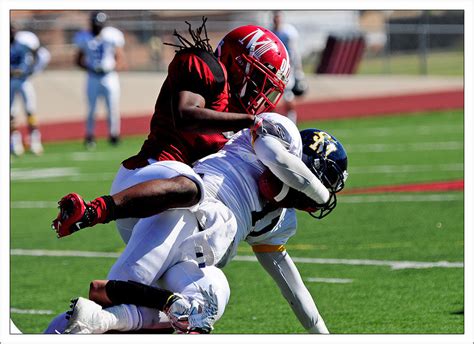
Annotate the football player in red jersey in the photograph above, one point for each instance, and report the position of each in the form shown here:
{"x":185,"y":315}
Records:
{"x":205,"y":95}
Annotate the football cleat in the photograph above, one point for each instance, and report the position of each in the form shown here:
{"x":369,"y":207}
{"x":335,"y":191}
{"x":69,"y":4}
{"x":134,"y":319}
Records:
{"x":73,"y":215}
{"x":85,"y":316}
{"x":89,"y":143}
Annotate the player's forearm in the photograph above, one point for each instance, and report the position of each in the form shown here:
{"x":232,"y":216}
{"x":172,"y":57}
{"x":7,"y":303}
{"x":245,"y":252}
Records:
{"x":290,"y":169}
{"x":152,"y":197}
{"x":211,"y":121}
{"x":191,"y":114}
{"x":283,"y":271}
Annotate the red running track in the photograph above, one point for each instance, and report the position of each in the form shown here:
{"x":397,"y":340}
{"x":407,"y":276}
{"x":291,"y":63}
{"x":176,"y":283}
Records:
{"x":311,"y":110}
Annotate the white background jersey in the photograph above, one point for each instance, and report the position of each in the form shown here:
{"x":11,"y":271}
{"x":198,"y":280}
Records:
{"x":100,"y":50}
{"x":231,"y":175}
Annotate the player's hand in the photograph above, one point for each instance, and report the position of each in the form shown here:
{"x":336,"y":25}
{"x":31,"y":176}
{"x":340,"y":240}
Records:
{"x":177,"y":308}
{"x":72,"y":215}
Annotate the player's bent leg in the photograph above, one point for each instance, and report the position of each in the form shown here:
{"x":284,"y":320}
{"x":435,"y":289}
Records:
{"x":153,"y":246}
{"x":207,"y":288}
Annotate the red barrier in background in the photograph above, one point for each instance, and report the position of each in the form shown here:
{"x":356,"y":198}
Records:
{"x":341,"y":55}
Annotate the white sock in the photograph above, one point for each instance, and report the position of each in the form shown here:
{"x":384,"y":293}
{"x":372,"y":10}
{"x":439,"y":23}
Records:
{"x":153,"y":318}
{"x":123,"y":318}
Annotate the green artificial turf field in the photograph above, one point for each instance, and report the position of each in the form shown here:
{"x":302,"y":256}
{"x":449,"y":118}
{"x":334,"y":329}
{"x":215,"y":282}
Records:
{"x":362,"y":262}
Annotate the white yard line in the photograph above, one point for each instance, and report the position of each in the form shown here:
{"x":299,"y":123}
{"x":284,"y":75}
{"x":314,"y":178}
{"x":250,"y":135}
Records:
{"x":329,"y":280}
{"x":402,"y":198}
{"x":42,"y":173}
{"x":31,"y":311}
{"x":395,"y":265}
{"x":390,"y":198}
{"x":55,"y":253}
{"x":33,"y":204}
{"x":82,"y":177}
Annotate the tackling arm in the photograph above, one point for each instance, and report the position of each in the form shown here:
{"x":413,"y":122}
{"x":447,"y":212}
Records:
{"x":191,"y":115}
{"x":290,"y":169}
{"x":280,"y":266}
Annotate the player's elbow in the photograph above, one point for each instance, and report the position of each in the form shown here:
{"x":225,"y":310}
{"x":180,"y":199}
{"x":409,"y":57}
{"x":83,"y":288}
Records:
{"x":187,"y":192}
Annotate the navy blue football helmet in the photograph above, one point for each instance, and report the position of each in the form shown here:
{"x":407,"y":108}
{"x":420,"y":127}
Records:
{"x":327,"y":159}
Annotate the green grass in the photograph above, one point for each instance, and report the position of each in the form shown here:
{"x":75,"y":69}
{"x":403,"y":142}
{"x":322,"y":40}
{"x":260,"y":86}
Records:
{"x":382,"y":151}
{"x":438,"y":63}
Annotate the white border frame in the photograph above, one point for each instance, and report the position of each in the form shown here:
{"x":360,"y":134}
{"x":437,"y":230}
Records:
{"x":7,"y":5}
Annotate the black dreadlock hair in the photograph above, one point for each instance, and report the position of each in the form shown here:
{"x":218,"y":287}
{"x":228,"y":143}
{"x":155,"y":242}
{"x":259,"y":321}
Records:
{"x":198,"y":41}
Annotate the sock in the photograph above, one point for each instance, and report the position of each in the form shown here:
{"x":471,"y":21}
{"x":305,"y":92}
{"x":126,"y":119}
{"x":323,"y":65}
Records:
{"x":152,"y":318}
{"x":123,"y":318}
{"x":104,"y":208}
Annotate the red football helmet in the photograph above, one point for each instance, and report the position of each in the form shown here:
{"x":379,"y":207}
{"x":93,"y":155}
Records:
{"x":257,"y":66}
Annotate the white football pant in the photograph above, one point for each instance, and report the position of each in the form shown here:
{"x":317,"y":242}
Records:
{"x":108,"y":87}
{"x":185,"y":278}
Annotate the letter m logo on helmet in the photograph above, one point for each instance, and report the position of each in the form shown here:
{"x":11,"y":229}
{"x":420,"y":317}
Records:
{"x":258,"y":67}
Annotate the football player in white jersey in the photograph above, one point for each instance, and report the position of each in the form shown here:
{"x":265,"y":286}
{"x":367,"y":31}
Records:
{"x":101,"y":54}
{"x":27,"y":57}
{"x":246,"y":190}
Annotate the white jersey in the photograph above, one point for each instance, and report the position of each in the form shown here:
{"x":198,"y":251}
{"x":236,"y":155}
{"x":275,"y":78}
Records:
{"x":231,"y":175}
{"x":100,"y":50}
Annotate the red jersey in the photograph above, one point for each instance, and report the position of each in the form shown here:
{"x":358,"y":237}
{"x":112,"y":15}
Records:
{"x":193,"y":70}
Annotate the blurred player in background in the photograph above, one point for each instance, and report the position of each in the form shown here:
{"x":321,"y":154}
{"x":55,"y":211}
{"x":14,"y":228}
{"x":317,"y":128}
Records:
{"x":296,"y":87}
{"x":101,"y":55}
{"x":27,"y":57}
{"x":205,"y":95}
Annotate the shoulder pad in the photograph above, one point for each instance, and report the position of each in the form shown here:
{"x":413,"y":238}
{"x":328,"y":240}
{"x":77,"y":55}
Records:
{"x":278,"y":126}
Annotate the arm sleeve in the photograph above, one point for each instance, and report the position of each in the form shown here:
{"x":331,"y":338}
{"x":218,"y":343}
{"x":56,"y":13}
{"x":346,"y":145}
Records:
{"x":281,"y":268}
{"x":290,"y":169}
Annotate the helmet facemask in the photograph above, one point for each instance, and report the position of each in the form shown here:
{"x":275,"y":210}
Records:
{"x":261,"y":89}
{"x":332,"y":177}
